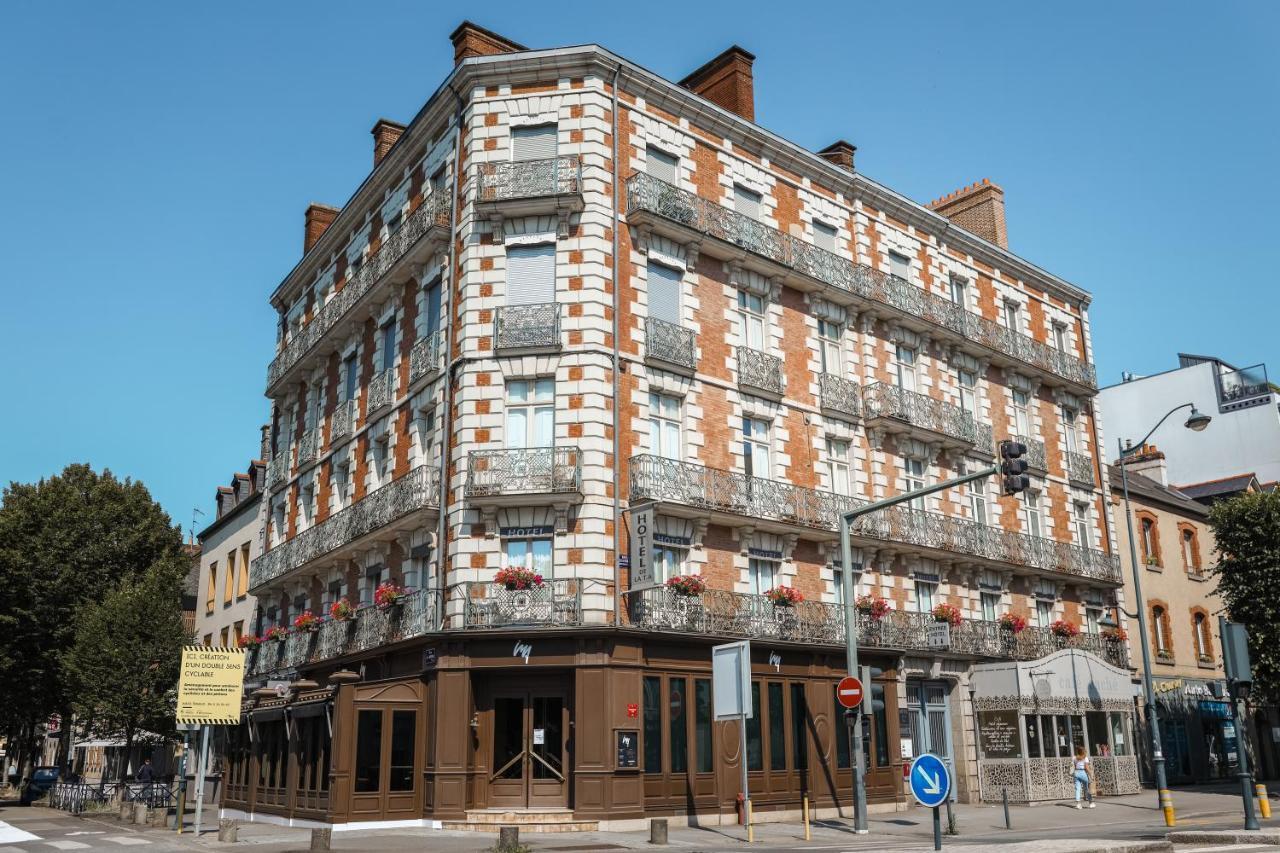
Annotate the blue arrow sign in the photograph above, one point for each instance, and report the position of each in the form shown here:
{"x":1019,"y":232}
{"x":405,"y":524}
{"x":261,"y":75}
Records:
{"x":930,"y":781}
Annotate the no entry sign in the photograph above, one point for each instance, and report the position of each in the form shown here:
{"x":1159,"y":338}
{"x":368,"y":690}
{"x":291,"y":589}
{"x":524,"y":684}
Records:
{"x":849,"y":692}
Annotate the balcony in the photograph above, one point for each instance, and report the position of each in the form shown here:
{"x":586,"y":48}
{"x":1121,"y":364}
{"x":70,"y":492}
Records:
{"x":427,"y":356}
{"x":555,"y":603}
{"x":382,"y":392}
{"x":1080,"y":469}
{"x":526,"y":328}
{"x":309,"y":447}
{"x":1035,"y":457}
{"x":839,"y":397}
{"x":1243,"y":387}
{"x":420,"y":231}
{"x":419,"y":489}
{"x":759,"y":372}
{"x":510,"y":476}
{"x":529,"y":187}
{"x":694,"y":491}
{"x":681,"y":214}
{"x":732,"y":615}
{"x":278,"y":468}
{"x":343,"y":421}
{"x":898,"y":411}
{"x":670,"y":346}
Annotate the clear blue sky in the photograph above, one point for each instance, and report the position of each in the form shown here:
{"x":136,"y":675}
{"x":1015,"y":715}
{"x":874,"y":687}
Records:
{"x":156,"y":159}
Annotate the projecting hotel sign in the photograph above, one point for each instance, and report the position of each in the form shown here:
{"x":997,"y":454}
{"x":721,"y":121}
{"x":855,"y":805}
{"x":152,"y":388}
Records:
{"x":642,"y":521}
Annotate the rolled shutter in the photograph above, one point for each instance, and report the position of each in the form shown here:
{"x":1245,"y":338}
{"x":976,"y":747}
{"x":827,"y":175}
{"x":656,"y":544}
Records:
{"x":531,"y":274}
{"x":661,"y":165}
{"x":746,"y":201}
{"x":533,"y":143}
{"x":664,"y":293}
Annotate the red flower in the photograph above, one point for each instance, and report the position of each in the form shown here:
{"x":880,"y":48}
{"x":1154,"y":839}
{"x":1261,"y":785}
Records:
{"x":948,"y":613}
{"x":1065,"y":629}
{"x":687,"y":585}
{"x":1013,"y":623}
{"x":388,"y":595}
{"x":874,"y":606}
{"x":784,"y":596}
{"x":341,"y":610}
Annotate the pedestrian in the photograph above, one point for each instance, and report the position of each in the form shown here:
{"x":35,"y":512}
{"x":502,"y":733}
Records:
{"x":1083,"y":774}
{"x":146,"y":773}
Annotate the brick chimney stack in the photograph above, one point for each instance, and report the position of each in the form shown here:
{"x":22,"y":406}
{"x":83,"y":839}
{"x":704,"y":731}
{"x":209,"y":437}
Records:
{"x":978,"y":208}
{"x":385,"y":134}
{"x":471,"y":40}
{"x":840,"y":153}
{"x":264,"y":444}
{"x":726,"y":81}
{"x":319,"y":218}
{"x":1149,"y":462}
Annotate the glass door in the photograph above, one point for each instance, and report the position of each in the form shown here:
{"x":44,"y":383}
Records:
{"x":528,"y":756}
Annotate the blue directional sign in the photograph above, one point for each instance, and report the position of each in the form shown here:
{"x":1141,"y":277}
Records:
{"x":930,"y":781}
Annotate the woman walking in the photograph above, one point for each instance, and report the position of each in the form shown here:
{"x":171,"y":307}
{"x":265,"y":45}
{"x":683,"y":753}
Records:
{"x":1083,"y":774}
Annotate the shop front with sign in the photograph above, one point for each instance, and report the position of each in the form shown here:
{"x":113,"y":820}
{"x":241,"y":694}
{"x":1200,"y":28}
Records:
{"x":1197,"y":729}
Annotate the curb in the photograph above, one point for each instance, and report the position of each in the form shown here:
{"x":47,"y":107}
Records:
{"x":1243,"y":836}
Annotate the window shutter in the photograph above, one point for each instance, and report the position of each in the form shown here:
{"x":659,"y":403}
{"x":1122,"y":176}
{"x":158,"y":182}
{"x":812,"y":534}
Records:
{"x":661,"y":165}
{"x":531,"y":274}
{"x":824,"y":236}
{"x":746,"y":202}
{"x":664,"y":293}
{"x":533,"y":143}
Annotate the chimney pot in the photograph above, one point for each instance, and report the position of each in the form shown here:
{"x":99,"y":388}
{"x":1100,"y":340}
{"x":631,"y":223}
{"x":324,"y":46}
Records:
{"x":978,"y":208}
{"x":385,"y":134}
{"x":319,"y":218}
{"x":472,"y":40}
{"x":727,"y":81}
{"x":840,"y":153}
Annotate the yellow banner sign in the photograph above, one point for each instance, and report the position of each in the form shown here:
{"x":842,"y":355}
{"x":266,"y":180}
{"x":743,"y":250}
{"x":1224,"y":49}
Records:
{"x":210,"y":686}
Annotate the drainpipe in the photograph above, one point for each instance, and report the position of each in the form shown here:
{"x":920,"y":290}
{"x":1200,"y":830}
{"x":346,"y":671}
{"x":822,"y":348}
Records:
{"x":617,"y":416}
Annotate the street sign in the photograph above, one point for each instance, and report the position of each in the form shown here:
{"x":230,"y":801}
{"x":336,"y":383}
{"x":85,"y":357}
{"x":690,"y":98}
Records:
{"x":643,"y":520}
{"x":849,"y":692}
{"x":210,"y":685}
{"x":938,"y":636}
{"x":930,"y":781}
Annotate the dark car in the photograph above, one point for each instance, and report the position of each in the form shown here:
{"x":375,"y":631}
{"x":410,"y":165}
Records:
{"x":42,"y":779}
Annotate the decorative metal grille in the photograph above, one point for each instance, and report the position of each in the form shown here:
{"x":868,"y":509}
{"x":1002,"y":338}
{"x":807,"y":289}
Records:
{"x":670,"y":343}
{"x":1080,"y":468}
{"x":309,"y":446}
{"x":524,"y":471}
{"x":527,"y":326}
{"x":432,"y":214}
{"x":491,"y":605}
{"x":1035,"y":452}
{"x":416,"y":490}
{"x":651,"y":195}
{"x":278,"y":469}
{"x":382,"y":391}
{"x":883,"y":400}
{"x":519,"y":179}
{"x":840,"y":395}
{"x":343,"y":421}
{"x":427,"y":356}
{"x":759,"y":370}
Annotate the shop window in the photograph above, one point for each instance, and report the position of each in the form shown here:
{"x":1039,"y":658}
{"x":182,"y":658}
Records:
{"x":688,"y":718}
{"x":368,"y":751}
{"x":777,"y":727}
{"x":705,"y":756}
{"x":652,"y":724}
{"x":755,"y":739}
{"x":404,"y":726}
{"x":678,"y":696}
{"x":799,"y":717}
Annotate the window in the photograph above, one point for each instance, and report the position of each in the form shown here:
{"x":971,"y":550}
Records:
{"x":1021,"y":412}
{"x":237,"y":630}
{"x":531,"y":413}
{"x":531,"y":274}
{"x":755,"y":447}
{"x":839,"y":472}
{"x":760,"y":575}
{"x":1060,"y":337}
{"x":755,"y":738}
{"x":652,"y":724}
{"x":537,"y":142}
{"x":678,"y":724}
{"x":342,"y":483}
{"x":229,"y":584}
{"x":334,"y":591}
{"x":306,"y":502}
{"x":705,"y":757}
{"x":212,"y":597}
{"x":1083,"y":525}
{"x":533,"y":553}
{"x":1070,"y":430}
{"x":388,"y":336}
{"x":1031,"y":513}
{"x":978,"y":501}
{"x":913,"y":472}
{"x":1093,"y":606}
{"x":829,"y":348}
{"x":664,"y":293}
{"x":404,"y":729}
{"x":242,"y":586}
{"x":431,"y":303}
{"x":368,"y":769}
{"x":905,"y":364}
{"x":900,"y":266}
{"x":746,"y":202}
{"x":824,"y":236}
{"x":661,"y":165}
{"x":1201,"y":630}
{"x":990,"y":605}
{"x":668,"y":561}
{"x":837,"y":574}
{"x":1013,"y":315}
{"x":664,"y":426}
{"x":381,"y":468}
{"x":1149,"y":538}
{"x":1160,"y":631}
{"x":208,"y":639}
{"x":1190,"y":549}
{"x":751,"y":313}
{"x":277,"y":522}
{"x":437,"y":179}
{"x":1044,"y":613}
{"x":926,"y":592}
{"x":799,"y":716}
{"x":223,"y":637}
{"x":372,"y":580}
{"x":967,"y":382}
{"x":959,"y":291}
{"x":777,"y":728}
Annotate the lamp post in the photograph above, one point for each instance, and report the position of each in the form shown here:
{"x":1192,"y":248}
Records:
{"x":1195,"y":422}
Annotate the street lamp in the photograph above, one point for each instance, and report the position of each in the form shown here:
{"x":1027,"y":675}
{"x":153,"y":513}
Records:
{"x":1196,"y":422}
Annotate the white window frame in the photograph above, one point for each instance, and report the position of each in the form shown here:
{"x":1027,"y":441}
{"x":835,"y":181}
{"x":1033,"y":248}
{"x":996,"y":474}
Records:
{"x":1033,"y":513}
{"x":978,"y":506}
{"x":906,"y":363}
{"x":900,"y":265}
{"x":926,"y":594}
{"x":840,"y":466}
{"x":1071,"y":429}
{"x":1082,"y":521}
{"x":666,"y":430}
{"x":757,"y":447}
{"x":829,"y":348}
{"x":967,"y":387}
{"x":915,"y":475}
{"x":1021,"y":412}
{"x":653,"y":155}
{"x":536,"y":406}
{"x":533,"y":546}
{"x":825,"y":236}
{"x":753,"y":314}
{"x":760,"y":570}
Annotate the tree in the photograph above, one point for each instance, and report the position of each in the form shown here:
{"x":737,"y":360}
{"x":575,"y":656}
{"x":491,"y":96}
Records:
{"x":1247,"y":529}
{"x":124,"y":665}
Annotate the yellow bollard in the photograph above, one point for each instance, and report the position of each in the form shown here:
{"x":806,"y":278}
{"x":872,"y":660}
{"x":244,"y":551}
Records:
{"x":751,"y":833}
{"x":1166,"y":805}
{"x":1264,"y":805}
{"x":805,"y":806}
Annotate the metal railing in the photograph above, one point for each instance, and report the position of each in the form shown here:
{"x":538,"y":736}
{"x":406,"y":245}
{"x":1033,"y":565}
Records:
{"x":432,"y":214}
{"x":1035,"y":452}
{"x":654,"y":478}
{"x":343,"y":421}
{"x":759,"y":370}
{"x":524,"y":471}
{"x":882,"y":400}
{"x":646,"y":194}
{"x":419,"y":489}
{"x":492,"y":605}
{"x":73,"y":797}
{"x":427,"y":356}
{"x":520,"y":179}
{"x":309,"y":446}
{"x":670,"y":343}
{"x":1242,"y":383}
{"x":278,"y":467}
{"x":1080,"y":468}
{"x":382,"y":391}
{"x":839,"y":395}
{"x":527,"y":326}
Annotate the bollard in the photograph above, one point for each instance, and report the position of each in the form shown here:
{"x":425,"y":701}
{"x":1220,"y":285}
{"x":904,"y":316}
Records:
{"x":320,"y":838}
{"x":804,"y":805}
{"x":658,"y":830}
{"x":1004,"y":798}
{"x":159,"y":817}
{"x":227,"y":830}
{"x":140,"y":814}
{"x":1166,"y":805}
{"x":508,"y":838}
{"x":126,"y":812}
{"x":1264,"y":805}
{"x":751,"y":831}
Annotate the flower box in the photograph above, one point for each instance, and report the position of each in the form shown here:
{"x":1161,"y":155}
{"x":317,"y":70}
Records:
{"x":874,"y":606}
{"x":341,"y":610}
{"x":249,"y":642}
{"x":947,"y":613}
{"x":388,"y":595}
{"x":784,"y":596}
{"x":514,"y":578}
{"x":275,"y":632}
{"x":1114,"y":635}
{"x":686,"y":585}
{"x":1012,"y":623}
{"x":1064,"y":630}
{"x":306,"y":622}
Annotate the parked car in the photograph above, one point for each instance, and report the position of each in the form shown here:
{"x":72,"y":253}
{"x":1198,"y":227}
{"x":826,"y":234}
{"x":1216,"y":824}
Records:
{"x":42,"y":779}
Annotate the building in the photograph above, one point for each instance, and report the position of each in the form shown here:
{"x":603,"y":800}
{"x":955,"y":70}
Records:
{"x":191,"y":589}
{"x":228,"y":545}
{"x":1242,"y":441}
{"x":585,"y":323}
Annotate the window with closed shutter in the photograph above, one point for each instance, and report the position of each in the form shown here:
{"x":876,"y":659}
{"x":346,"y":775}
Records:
{"x":533,"y":143}
{"x":531,"y":274}
{"x":746,"y":202}
{"x":824,"y":236}
{"x":661,"y":165}
{"x":664,"y":293}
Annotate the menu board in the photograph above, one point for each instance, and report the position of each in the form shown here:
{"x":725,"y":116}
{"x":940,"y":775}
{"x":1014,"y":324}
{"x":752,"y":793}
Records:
{"x":628,"y":748}
{"x":998,"y":734}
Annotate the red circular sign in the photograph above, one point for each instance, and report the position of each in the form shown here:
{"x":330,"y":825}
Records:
{"x":849,"y":692}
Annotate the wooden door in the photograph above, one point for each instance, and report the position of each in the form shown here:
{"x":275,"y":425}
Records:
{"x":528,"y":757}
{"x":385,"y":778}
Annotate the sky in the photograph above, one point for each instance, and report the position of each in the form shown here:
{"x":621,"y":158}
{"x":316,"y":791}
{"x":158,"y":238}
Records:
{"x":156,"y":159}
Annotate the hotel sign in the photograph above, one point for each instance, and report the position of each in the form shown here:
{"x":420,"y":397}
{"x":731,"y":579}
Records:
{"x":642,"y":524}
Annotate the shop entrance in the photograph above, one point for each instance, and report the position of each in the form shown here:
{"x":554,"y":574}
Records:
{"x":529,"y":748}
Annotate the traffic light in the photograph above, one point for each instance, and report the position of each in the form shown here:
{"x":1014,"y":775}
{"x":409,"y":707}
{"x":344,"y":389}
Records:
{"x":1013,"y":468}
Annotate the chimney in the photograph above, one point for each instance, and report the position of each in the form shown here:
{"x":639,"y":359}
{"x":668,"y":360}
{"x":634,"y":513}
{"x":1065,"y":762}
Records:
{"x":840,"y":153}
{"x":470,"y":40}
{"x":264,"y":444}
{"x":319,"y":218}
{"x":385,"y":134}
{"x":726,"y":82}
{"x":978,"y":208}
{"x":1149,"y":462}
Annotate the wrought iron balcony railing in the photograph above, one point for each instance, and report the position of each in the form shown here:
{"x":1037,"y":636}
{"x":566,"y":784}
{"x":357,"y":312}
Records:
{"x":669,"y":343}
{"x":666,"y":480}
{"x":1080,"y":468}
{"x":882,"y":400}
{"x":1035,"y":452}
{"x":524,"y":471}
{"x":491,"y":605}
{"x":278,"y":468}
{"x":840,"y":396}
{"x":382,"y":391}
{"x":521,"y":179}
{"x":309,"y":446}
{"x":527,"y":326}
{"x":427,"y":356}
{"x":646,"y":194}
{"x":419,"y":489}
{"x":759,"y":371}
{"x":431,"y":215}
{"x":343,"y":421}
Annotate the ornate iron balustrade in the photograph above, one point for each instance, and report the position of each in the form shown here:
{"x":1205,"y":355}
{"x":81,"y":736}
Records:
{"x":524,"y":471}
{"x":1080,"y":468}
{"x":343,"y":421}
{"x":651,"y":195}
{"x":278,"y":468}
{"x":491,"y":605}
{"x":1035,"y":452}
{"x":419,"y":489}
{"x":759,"y":370}
{"x":670,"y":343}
{"x":382,"y":391}
{"x":517,"y":179}
{"x":883,"y":400}
{"x":427,"y":355}
{"x":309,"y":446}
{"x":840,"y":395}
{"x":527,"y":326}
{"x":433,"y":213}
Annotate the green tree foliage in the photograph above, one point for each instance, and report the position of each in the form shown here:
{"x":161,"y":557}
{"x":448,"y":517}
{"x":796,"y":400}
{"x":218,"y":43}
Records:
{"x":1247,"y":529}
